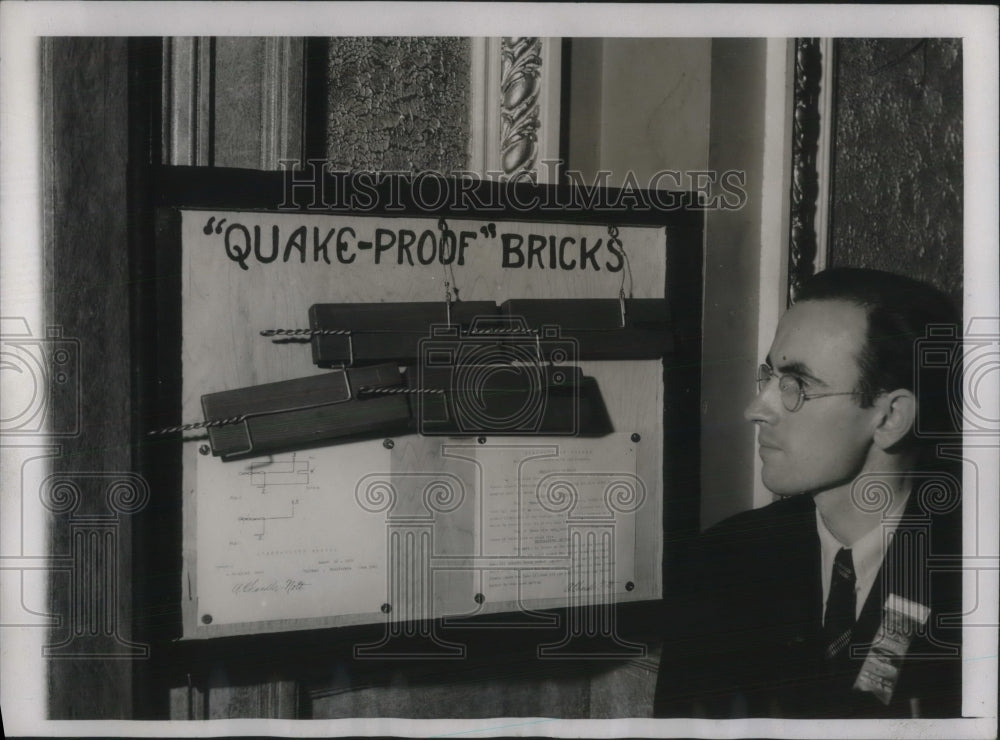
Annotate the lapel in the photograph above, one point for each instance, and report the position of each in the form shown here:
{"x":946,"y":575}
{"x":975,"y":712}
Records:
{"x":902,"y":573}
{"x":802,"y":564}
{"x":810,"y":689}
{"x":815,"y":564}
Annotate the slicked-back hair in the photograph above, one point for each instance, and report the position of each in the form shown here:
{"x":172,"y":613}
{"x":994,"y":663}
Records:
{"x":901,"y":311}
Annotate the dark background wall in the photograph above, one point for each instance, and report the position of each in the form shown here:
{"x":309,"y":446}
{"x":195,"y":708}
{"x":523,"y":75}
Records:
{"x":897,"y":175}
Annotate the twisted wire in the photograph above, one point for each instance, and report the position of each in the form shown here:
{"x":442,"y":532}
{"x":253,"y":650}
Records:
{"x":365,"y":390}
{"x":198,"y":425}
{"x":302,"y":332}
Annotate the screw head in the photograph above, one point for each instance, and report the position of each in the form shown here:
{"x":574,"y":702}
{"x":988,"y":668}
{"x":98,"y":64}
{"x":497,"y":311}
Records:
{"x":206,"y":618}
{"x":630,"y":586}
{"x":479,"y":598}
{"x":204,"y":449}
{"x":386,"y":608}
{"x":635,"y":436}
{"x":481,"y":440}
{"x":388,"y":444}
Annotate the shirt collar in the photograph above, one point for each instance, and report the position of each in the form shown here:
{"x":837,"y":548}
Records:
{"x":867,"y":553}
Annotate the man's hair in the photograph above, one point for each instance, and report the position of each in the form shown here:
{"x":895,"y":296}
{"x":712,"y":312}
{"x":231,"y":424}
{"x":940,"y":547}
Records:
{"x":900,"y":312}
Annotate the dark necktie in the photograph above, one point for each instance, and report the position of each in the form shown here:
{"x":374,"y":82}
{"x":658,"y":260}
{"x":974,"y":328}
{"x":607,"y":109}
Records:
{"x":838,"y":622}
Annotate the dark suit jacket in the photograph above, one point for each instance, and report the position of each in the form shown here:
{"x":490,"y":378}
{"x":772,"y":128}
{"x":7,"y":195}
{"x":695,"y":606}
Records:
{"x":744,"y":631}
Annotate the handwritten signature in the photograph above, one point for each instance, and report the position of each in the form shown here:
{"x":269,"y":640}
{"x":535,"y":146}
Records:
{"x":581,"y":587}
{"x":257,"y":586}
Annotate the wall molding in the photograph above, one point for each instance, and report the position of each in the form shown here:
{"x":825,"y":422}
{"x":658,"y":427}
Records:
{"x":824,"y":157}
{"x":188,"y":105}
{"x":484,"y":107}
{"x":520,"y":86}
{"x":190,"y":128}
{"x":776,"y":173}
{"x":811,"y":160}
{"x":281,"y":101}
{"x":515,"y":107}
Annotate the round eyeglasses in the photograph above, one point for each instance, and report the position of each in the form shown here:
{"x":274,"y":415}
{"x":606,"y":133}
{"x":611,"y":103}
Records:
{"x":793,"y":395}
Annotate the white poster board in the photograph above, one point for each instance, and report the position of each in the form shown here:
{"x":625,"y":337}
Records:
{"x":419,"y":527}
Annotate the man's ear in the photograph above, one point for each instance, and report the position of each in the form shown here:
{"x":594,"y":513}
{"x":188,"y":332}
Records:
{"x":897,"y":414}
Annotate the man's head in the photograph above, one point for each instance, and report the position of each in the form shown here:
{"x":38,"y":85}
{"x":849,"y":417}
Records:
{"x":849,"y":342}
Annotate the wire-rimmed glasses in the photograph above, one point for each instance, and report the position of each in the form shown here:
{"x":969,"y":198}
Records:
{"x":793,"y":395}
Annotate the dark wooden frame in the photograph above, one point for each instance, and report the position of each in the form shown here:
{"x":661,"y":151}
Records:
{"x":295,"y":655}
{"x":101,"y":128}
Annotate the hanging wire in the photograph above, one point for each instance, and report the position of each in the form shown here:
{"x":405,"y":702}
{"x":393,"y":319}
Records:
{"x":613,"y":233}
{"x":613,"y":237}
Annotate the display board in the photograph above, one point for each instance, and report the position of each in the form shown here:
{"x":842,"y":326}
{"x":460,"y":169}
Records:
{"x":410,"y":527}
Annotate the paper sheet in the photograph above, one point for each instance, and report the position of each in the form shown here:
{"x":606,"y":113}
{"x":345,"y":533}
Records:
{"x":287,"y":539}
{"x":290,"y":540}
{"x":324,"y":533}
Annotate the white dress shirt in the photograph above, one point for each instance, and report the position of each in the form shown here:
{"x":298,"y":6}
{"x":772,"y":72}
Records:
{"x":867,"y":554}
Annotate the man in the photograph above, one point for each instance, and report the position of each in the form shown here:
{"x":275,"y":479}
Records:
{"x":833,"y":601}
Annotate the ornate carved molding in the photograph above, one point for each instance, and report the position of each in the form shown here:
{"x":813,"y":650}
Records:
{"x":805,"y":189}
{"x":515,"y":106}
{"x":520,"y":86}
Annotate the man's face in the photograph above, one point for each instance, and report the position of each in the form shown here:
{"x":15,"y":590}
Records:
{"x":826,"y":442}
